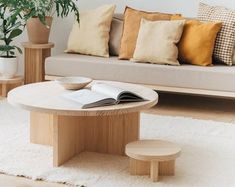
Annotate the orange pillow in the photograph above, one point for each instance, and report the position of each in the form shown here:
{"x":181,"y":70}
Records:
{"x":132,"y":19}
{"x":197,"y":42}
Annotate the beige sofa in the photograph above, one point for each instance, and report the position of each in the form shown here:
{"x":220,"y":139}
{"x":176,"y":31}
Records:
{"x":217,"y":80}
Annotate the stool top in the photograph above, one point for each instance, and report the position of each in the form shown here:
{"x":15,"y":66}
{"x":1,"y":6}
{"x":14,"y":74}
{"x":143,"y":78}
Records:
{"x":38,"y":46}
{"x":153,"y":150}
{"x":14,"y":80}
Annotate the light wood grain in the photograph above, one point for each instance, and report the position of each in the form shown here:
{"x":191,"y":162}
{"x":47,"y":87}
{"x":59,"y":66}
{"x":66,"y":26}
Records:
{"x":37,"y":46}
{"x":167,"y":168}
{"x":71,"y":135}
{"x":8,"y":84}
{"x":103,"y":129}
{"x":154,"y":171}
{"x":152,"y":157}
{"x":67,"y":138}
{"x":41,"y":128}
{"x":170,"y":104}
{"x":139,"y":167}
{"x":35,"y":55}
{"x":47,"y":97}
{"x":149,"y":150}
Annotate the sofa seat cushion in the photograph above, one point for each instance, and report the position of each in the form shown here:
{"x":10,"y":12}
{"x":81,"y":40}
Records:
{"x":216,"y":78}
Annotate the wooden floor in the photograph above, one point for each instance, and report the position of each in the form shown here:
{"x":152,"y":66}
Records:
{"x":169,"y":104}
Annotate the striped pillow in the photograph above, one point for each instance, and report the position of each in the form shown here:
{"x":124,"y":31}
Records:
{"x":225,"y":40}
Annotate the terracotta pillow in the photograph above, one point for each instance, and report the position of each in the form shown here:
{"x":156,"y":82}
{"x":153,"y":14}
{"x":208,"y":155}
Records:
{"x":197,"y":42}
{"x":132,"y":19}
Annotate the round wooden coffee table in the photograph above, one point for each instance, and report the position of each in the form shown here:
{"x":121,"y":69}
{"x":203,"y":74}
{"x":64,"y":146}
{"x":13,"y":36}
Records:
{"x":59,"y":122}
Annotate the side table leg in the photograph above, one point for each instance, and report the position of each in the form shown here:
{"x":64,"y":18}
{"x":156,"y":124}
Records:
{"x":35,"y":64}
{"x":4,"y":90}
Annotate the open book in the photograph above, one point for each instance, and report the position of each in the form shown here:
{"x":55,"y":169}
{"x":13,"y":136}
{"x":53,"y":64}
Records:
{"x":102,"y":94}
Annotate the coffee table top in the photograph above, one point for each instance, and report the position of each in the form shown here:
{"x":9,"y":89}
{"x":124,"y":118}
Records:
{"x":46,"y":97}
{"x":153,"y":150}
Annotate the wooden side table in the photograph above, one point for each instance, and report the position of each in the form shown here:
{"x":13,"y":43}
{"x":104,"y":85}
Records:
{"x":8,"y":84}
{"x":35,"y":55}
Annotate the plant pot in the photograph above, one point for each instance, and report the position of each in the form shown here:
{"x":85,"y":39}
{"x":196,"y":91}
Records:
{"x":8,"y":67}
{"x":37,"y":32}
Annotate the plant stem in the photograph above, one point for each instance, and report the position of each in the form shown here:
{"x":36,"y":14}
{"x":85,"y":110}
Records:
{"x":4,"y":31}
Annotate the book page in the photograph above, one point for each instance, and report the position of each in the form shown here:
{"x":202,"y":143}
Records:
{"x":110,"y":91}
{"x":88,"y":98}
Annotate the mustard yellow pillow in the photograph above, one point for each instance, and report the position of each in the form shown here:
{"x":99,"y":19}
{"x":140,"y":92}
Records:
{"x":91,"y":36}
{"x":132,"y":19}
{"x":197,"y":42}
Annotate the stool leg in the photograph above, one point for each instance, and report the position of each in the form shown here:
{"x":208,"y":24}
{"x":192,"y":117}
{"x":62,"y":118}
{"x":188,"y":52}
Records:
{"x":154,"y":171}
{"x":167,"y":168}
{"x":138,"y":167}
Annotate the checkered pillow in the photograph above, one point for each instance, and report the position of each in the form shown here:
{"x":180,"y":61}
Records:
{"x":225,"y":40}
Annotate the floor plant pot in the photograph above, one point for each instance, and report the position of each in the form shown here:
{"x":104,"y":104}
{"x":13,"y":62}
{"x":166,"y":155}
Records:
{"x":39,"y":33}
{"x":8,"y":67}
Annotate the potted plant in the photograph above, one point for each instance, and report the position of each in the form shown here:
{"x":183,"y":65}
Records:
{"x":11,"y":26}
{"x":39,"y":14}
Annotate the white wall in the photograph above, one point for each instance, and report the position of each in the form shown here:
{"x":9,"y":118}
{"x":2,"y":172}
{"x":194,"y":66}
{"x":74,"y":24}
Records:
{"x":61,"y":28}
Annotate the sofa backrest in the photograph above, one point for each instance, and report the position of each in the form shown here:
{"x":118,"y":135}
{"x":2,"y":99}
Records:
{"x":116,"y":33}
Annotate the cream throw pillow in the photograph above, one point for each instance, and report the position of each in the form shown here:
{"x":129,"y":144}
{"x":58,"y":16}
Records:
{"x":91,"y":36}
{"x":157,"y":41}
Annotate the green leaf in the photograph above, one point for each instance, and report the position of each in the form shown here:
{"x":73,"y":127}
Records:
{"x":19,"y":50}
{"x":42,"y":18}
{"x":6,"y":48}
{"x":12,"y":53}
{"x":15,"y":33}
{"x":8,"y":41}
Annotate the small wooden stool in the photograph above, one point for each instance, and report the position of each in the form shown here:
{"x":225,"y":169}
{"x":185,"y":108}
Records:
{"x":8,"y":84}
{"x":152,"y":157}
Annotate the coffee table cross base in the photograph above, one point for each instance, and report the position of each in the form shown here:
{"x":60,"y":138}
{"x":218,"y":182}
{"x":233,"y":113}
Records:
{"x":70,"y":135}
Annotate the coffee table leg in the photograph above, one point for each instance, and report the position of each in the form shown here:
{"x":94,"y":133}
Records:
{"x":110,"y":134}
{"x":70,"y":135}
{"x":68,"y":138}
{"x":41,"y":128}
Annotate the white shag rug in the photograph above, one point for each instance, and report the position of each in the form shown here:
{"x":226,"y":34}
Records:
{"x":207,"y":160}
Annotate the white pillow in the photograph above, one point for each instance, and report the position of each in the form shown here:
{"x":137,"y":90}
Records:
{"x":156,"y":42}
{"x":91,"y":36}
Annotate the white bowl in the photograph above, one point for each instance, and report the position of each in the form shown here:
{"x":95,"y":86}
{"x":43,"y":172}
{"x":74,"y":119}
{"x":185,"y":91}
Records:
{"x":74,"y":83}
